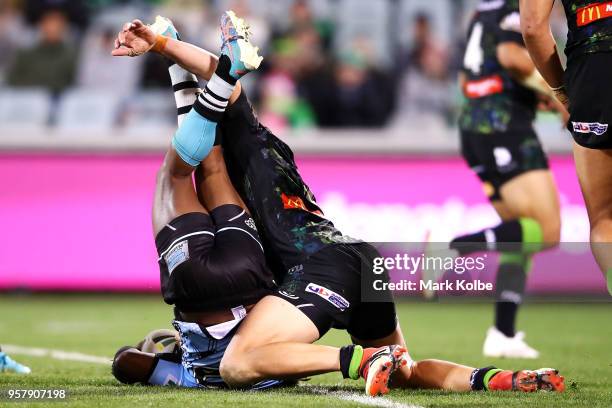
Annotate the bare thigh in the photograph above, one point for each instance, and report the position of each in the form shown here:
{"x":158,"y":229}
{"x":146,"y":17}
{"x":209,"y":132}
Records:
{"x":213,"y":184}
{"x":175,"y":193}
{"x":594,"y":169}
{"x":273,"y":320}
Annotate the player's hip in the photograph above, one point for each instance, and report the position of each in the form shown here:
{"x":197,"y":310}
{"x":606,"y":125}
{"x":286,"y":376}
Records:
{"x":211,"y":266}
{"x":589,"y":87}
{"x":327,"y":287}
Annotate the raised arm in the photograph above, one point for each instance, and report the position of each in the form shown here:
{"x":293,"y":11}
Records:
{"x":137,"y":38}
{"x":535,"y":15}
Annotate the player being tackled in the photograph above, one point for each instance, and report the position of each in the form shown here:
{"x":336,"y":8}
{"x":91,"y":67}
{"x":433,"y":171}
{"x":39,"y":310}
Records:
{"x":313,"y":261}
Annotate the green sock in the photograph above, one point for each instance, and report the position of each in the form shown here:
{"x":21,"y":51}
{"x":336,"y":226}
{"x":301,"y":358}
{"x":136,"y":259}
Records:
{"x":355,"y":362}
{"x":490,"y":375}
{"x":532,"y":235}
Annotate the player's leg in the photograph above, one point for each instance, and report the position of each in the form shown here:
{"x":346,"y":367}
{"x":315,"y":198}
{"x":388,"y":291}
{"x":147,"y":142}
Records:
{"x":532,"y":196}
{"x":212,"y":181}
{"x":513,"y":168}
{"x":264,"y":349}
{"x":511,"y":279}
{"x":445,"y":375}
{"x":196,"y":135}
{"x":594,"y":169}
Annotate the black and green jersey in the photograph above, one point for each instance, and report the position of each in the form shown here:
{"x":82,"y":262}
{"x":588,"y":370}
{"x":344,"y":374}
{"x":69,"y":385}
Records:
{"x":263,"y":171}
{"x":495,"y":102}
{"x":590,"y":26}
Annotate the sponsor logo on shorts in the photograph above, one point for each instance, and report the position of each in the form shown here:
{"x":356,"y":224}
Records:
{"x":329,"y":295}
{"x":178,"y":255}
{"x":587,"y":127}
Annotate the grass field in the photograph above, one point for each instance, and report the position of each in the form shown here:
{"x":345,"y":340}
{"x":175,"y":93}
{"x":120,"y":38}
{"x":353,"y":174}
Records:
{"x":575,"y":338}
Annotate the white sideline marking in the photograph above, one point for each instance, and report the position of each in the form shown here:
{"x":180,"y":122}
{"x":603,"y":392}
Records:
{"x":56,"y":354}
{"x":362,"y":399}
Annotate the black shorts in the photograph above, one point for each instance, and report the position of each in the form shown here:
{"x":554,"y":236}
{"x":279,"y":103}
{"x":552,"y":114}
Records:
{"x":212,"y":262}
{"x":327,"y":288}
{"x":499,"y":157}
{"x":589,"y":87}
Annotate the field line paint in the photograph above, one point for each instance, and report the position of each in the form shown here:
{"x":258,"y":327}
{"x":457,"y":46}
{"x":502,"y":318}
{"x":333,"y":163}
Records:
{"x":55,"y":354}
{"x":363,"y":399}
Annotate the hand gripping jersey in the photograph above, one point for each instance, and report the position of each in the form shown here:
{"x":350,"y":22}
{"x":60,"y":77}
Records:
{"x":495,"y":102}
{"x":590,"y":27}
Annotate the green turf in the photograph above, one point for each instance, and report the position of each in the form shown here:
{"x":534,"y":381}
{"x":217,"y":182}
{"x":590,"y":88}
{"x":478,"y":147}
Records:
{"x":576,"y":338}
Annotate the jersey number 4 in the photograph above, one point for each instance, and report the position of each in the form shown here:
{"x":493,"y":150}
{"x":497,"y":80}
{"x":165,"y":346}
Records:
{"x":474,"y":54}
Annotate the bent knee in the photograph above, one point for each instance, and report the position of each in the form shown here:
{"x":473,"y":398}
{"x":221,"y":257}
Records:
{"x":236,"y":372}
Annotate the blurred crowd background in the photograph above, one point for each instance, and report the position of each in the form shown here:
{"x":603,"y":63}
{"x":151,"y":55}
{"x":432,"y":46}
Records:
{"x":329,"y":64}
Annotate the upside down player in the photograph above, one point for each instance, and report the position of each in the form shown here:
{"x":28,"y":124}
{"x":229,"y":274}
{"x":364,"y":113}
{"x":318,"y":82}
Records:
{"x":498,"y":141}
{"x":212,"y":263}
{"x":318,"y":267}
{"x":585,"y":89}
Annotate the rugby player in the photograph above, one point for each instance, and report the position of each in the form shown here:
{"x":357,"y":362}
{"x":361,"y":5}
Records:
{"x":583,"y":88}
{"x":318,"y":268}
{"x":501,"y":87}
{"x":211,"y":259}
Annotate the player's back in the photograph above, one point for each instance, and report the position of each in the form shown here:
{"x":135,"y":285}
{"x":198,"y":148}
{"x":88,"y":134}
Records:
{"x":263,"y":171}
{"x":589,"y":27}
{"x":495,"y":101}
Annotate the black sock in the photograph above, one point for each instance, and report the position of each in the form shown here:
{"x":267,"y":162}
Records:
{"x":488,"y":239}
{"x":509,"y":291}
{"x":346,"y":355}
{"x":211,"y":103}
{"x":223,"y":69}
{"x":477,"y":379}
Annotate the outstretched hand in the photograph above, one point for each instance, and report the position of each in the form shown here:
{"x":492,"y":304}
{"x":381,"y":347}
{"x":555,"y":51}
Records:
{"x":135,"y":39}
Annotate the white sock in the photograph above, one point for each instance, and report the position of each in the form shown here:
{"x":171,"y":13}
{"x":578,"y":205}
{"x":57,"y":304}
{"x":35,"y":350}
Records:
{"x":186,"y":90}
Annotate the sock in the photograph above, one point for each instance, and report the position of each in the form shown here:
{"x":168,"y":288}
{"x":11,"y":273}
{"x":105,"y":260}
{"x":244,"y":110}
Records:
{"x":523,"y":230}
{"x":185,"y":87}
{"x":350,"y":361}
{"x":509,"y":290}
{"x":480,"y":377}
{"x":196,"y":136}
{"x":609,"y":279}
{"x":213,"y":101}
